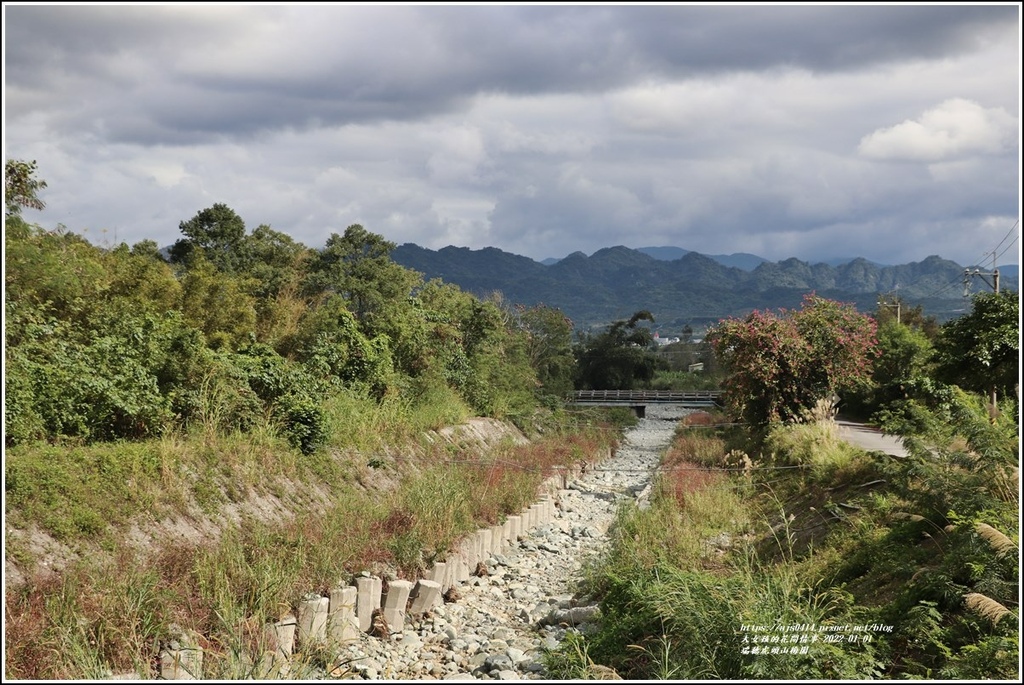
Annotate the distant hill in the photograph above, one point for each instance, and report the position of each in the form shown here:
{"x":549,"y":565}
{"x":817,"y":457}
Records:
{"x":741,"y":260}
{"x":691,"y":289}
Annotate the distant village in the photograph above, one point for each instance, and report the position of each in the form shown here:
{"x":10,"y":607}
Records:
{"x":665,"y":341}
{"x":670,"y":341}
{"x":662,"y":342}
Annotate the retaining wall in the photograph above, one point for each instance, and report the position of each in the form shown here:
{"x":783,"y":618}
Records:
{"x":369,"y":605}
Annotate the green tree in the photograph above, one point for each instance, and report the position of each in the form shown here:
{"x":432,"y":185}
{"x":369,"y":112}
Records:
{"x":148,"y":248}
{"x":215,"y":233}
{"x":119,"y":376}
{"x":898,"y":310}
{"x":333,"y":349}
{"x":53,"y":271}
{"x":431,"y":347}
{"x":273,"y":267}
{"x":549,"y":347}
{"x":358,"y":266}
{"x":620,"y":358}
{"x":218,"y":304}
{"x":904,"y":356}
{"x":500,"y":380}
{"x":272,"y":259}
{"x":143,"y":280}
{"x":21,"y":187}
{"x":778,"y":366}
{"x":980,"y":351}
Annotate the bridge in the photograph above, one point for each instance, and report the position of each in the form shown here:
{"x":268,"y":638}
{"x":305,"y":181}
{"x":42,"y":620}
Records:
{"x":637,"y":400}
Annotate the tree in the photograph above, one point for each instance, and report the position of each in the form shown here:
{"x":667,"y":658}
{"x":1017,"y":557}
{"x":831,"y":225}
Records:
{"x":218,"y":305}
{"x":21,"y":187}
{"x":358,"y":266}
{"x":332,"y":348}
{"x":980,"y":351}
{"x":148,"y":248}
{"x":621,"y":358}
{"x":900,"y":311}
{"x":271,"y":258}
{"x":778,"y":366}
{"x":904,"y":356}
{"x":53,"y":271}
{"x":216,"y":233}
{"x":549,"y":347}
{"x":141,"y":278}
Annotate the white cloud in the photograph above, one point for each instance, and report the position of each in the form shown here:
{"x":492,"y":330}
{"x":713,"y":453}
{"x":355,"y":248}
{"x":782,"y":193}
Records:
{"x":955,"y":129}
{"x":458,"y":152}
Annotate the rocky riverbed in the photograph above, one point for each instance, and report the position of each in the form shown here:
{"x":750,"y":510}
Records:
{"x":501,"y":622}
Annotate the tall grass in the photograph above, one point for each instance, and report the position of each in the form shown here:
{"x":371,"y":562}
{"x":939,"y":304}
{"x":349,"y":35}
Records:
{"x":107,"y":613}
{"x":357,"y":422}
{"x":95,"y":619}
{"x":815,"y":445}
{"x":682,"y":577}
{"x":823,"y":545}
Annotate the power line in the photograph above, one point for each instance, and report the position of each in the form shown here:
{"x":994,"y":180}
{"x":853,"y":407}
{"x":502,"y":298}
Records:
{"x":709,"y":469}
{"x":943,"y":289}
{"x":1012,"y":242}
{"x":994,"y":252}
{"x":1007,"y":235}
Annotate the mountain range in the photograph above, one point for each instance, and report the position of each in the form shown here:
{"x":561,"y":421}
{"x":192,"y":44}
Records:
{"x":740,"y":260}
{"x":681,"y":288}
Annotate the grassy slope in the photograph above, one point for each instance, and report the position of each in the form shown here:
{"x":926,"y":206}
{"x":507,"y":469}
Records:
{"x":843,"y":541}
{"x":217,"y":534}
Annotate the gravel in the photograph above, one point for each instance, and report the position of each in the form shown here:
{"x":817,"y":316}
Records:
{"x":502,"y":623}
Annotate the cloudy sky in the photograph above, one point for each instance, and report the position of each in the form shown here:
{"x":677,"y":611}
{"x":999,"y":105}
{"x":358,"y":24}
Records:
{"x":887,"y":132}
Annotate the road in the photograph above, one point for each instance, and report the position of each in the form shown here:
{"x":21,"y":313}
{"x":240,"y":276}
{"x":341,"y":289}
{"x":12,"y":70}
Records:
{"x":871,"y":439}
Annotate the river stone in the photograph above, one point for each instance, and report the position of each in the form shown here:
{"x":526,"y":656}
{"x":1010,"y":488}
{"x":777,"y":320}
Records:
{"x":516,"y":610}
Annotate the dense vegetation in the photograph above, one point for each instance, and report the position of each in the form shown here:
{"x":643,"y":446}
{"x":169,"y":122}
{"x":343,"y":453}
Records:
{"x":142,"y":386}
{"x":241,"y":329}
{"x":775,"y":550}
{"x":147,"y":390}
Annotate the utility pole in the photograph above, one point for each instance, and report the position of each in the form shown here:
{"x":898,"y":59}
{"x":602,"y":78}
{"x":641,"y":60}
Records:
{"x":895,"y":303}
{"x":994,"y":284}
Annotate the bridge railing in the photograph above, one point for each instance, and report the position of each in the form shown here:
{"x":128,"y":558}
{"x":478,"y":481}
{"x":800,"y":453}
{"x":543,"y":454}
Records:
{"x":646,"y":396}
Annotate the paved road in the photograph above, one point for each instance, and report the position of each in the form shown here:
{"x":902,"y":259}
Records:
{"x":871,"y":439}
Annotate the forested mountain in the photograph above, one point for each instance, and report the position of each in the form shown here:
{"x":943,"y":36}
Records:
{"x":693,"y":289}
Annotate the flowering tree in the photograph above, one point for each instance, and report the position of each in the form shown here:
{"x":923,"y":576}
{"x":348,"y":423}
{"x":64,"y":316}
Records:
{"x":778,"y":365}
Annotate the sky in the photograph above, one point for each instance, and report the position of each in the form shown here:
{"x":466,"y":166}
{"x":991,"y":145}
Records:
{"x":821,"y":132}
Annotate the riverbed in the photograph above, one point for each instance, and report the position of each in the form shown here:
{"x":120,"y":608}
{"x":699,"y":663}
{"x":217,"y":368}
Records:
{"x":498,"y":625}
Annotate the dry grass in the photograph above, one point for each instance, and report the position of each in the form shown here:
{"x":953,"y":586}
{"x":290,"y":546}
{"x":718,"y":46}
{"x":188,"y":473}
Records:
{"x":999,"y":542}
{"x":696,"y":449}
{"x":108,"y":612}
{"x":985,"y":607}
{"x":703,"y":418}
{"x":681,"y":482}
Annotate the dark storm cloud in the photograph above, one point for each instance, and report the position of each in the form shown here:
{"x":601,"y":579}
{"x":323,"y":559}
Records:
{"x":363,"y":64}
{"x":886,"y":131}
{"x":808,"y":37}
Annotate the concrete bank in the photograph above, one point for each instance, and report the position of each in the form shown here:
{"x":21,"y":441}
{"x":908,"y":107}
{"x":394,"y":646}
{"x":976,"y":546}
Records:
{"x":500,"y":623}
{"x":489,"y":612}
